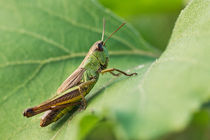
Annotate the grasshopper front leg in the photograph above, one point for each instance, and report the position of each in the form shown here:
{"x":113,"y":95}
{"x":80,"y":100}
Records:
{"x":120,"y":72}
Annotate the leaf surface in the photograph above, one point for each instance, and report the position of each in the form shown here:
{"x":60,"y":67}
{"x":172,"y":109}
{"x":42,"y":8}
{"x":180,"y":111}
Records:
{"x":42,"y":42}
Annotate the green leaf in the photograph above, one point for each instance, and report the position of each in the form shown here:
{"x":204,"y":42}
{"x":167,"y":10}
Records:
{"x":177,"y":84}
{"x":42,"y":42}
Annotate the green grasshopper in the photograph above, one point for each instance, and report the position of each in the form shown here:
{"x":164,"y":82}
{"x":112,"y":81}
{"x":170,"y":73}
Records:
{"x":73,"y":90}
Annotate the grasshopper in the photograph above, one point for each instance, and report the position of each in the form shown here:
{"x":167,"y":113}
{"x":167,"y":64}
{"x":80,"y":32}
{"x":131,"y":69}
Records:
{"x":73,"y":90}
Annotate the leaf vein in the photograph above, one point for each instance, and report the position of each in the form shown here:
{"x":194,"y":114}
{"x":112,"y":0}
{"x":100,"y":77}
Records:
{"x":82,"y":54}
{"x":33,"y":75}
{"x":93,"y":29}
{"x":37,"y":36}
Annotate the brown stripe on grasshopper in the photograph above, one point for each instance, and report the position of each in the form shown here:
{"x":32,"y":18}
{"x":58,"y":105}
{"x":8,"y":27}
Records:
{"x":34,"y":111}
{"x":51,"y":105}
{"x":70,"y":98}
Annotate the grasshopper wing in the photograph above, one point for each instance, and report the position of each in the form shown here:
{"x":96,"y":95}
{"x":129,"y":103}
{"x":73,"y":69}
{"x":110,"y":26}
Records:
{"x":72,"y":80}
{"x":51,"y":115}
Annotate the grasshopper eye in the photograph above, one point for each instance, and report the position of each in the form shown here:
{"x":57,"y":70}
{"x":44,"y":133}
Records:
{"x":100,"y":46}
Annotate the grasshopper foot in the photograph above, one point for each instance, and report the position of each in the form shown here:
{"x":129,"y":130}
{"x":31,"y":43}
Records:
{"x":82,"y":106}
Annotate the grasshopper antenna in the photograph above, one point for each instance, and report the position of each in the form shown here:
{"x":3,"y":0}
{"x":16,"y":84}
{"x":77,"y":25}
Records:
{"x":104,"y":22}
{"x":114,"y":33}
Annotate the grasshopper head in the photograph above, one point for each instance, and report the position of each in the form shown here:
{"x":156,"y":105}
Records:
{"x":101,"y":53}
{"x":99,"y":49}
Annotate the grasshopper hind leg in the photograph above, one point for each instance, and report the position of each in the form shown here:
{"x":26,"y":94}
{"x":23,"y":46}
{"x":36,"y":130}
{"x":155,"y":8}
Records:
{"x":53,"y":115}
{"x":49,"y":117}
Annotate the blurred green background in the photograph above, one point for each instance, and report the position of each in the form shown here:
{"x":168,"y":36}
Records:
{"x":154,"y":19}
